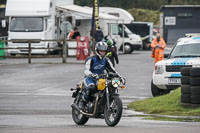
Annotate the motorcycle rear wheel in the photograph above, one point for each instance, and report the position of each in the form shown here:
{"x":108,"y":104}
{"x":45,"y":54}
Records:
{"x":113,"y":116}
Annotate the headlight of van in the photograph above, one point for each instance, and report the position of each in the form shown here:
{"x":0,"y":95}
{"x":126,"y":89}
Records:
{"x":159,"y":69}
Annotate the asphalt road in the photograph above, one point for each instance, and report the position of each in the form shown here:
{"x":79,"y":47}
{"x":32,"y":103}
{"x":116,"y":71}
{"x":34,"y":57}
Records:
{"x":36,"y":97}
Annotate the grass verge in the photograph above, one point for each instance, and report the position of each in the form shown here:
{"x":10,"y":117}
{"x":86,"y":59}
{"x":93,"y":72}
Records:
{"x":165,"y":105}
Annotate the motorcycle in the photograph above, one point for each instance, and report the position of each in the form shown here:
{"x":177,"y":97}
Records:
{"x":105,"y":103}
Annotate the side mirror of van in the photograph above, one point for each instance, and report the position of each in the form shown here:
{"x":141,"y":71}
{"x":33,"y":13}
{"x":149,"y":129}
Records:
{"x":166,"y":55}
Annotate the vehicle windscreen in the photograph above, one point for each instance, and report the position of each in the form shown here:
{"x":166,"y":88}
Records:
{"x":22,"y":24}
{"x":121,"y":31}
{"x":186,"y":50}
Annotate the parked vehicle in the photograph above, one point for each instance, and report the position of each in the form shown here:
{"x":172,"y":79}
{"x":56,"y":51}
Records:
{"x":145,"y":30}
{"x":31,"y":19}
{"x":124,"y":37}
{"x":167,"y":76}
{"x":120,"y":32}
{"x":105,"y":103}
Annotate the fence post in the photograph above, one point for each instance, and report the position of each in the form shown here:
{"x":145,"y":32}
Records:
{"x":64,"y":49}
{"x":29,"y":52}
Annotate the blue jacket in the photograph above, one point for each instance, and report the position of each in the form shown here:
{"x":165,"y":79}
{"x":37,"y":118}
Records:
{"x":94,"y":65}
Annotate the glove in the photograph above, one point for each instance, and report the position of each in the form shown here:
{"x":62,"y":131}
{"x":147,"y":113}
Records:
{"x":157,"y":46}
{"x":123,"y":80}
{"x":94,"y":75}
{"x":109,"y":54}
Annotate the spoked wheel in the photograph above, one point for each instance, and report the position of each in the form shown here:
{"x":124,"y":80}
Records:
{"x":78,"y":118}
{"x":113,"y":116}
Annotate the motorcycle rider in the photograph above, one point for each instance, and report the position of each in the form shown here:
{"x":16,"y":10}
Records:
{"x":95,"y":66}
{"x":112,"y":52}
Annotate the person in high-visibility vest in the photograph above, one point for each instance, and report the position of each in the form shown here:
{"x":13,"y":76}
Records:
{"x":158,"y":44}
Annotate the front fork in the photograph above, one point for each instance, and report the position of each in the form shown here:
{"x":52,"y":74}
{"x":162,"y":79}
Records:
{"x":107,"y":99}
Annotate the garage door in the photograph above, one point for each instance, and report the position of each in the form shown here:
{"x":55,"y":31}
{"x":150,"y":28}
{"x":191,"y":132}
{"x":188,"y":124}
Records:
{"x":174,"y":34}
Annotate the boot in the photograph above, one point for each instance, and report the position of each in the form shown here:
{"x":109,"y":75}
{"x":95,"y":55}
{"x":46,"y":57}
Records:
{"x":83,"y":101}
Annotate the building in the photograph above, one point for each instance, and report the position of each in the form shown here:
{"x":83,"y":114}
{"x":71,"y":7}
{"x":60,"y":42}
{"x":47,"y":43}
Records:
{"x":178,"y":20}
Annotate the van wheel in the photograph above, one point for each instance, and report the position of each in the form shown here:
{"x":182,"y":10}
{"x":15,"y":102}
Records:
{"x":157,"y":91}
{"x":128,"y":48}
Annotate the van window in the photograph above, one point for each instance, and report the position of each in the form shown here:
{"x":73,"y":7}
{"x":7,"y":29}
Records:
{"x":26,"y":24}
{"x":114,"y":29}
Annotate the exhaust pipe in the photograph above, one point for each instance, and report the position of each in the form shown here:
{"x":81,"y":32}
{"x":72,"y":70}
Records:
{"x":75,"y":106}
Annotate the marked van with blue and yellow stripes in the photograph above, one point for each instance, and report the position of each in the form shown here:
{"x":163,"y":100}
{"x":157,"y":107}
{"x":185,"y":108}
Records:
{"x":167,"y":76}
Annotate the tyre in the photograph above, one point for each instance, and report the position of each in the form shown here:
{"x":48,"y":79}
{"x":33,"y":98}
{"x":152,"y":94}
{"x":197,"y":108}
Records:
{"x":185,"y":80}
{"x":195,"y":72}
{"x":157,"y":91}
{"x":195,"y":81}
{"x":113,"y":116}
{"x":185,"y":89}
{"x":185,"y":71}
{"x":195,"y":90}
{"x":78,"y":118}
{"x":185,"y":98}
{"x":195,"y":99}
{"x":128,"y":48}
{"x":12,"y":54}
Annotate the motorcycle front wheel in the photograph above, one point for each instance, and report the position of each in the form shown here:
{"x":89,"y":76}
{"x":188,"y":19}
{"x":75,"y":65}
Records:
{"x":78,"y":118}
{"x":113,"y":116}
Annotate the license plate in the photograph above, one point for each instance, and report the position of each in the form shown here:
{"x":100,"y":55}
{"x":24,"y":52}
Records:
{"x":174,"y":80}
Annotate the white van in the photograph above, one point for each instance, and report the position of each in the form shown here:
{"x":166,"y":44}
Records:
{"x":31,"y":19}
{"x":167,"y":76}
{"x":124,"y":37}
{"x":129,"y":39}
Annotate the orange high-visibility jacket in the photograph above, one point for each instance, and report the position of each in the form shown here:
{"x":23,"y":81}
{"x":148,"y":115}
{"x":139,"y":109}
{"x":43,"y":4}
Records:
{"x":158,"y":49}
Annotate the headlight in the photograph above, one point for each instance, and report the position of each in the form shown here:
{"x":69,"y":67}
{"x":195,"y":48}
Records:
{"x":115,"y":82}
{"x":196,"y":65}
{"x":159,"y":69}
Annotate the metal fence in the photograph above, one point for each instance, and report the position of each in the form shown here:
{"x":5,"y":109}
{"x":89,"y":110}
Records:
{"x":63,"y":48}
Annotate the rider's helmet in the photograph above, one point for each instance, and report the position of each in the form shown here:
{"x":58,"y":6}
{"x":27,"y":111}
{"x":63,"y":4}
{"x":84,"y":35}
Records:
{"x":100,"y":46}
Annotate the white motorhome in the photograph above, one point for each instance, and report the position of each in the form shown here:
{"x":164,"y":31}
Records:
{"x":31,"y":19}
{"x":120,"y":33}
